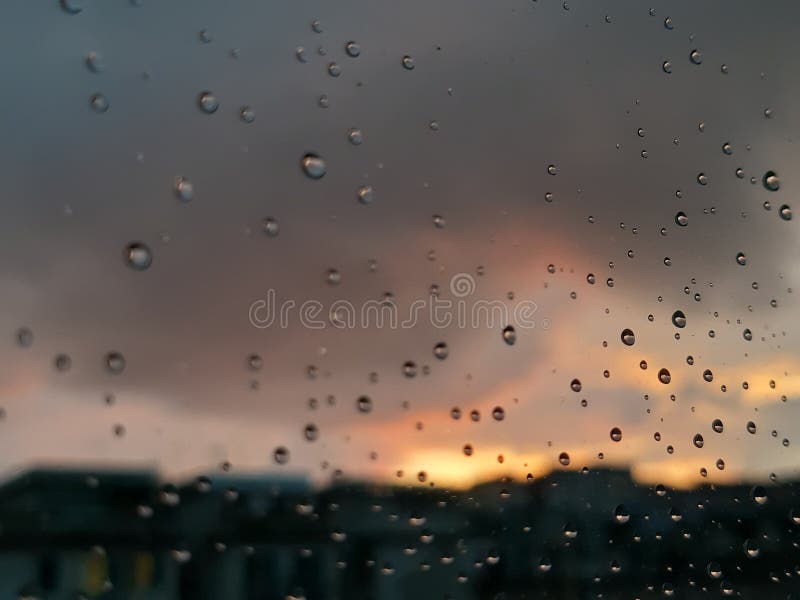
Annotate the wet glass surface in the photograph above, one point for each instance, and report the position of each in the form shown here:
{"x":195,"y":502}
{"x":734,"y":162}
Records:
{"x":384,"y":300}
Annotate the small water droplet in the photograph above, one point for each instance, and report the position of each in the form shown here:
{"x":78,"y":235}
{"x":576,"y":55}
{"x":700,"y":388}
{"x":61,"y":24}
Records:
{"x":696,"y":57}
{"x":509,"y":335}
{"x":664,"y":376}
{"x":364,"y":404}
{"x":408,"y":63}
{"x":353,"y":49}
{"x":270,"y":227}
{"x":184,"y":189}
{"x":365,"y":194}
{"x":441,"y":351}
{"x":99,"y":103}
{"x":616,"y":434}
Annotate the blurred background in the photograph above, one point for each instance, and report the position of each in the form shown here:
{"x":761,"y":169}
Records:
{"x":198,"y":198}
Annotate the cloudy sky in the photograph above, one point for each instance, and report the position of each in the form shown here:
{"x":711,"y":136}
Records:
{"x":498,"y":93}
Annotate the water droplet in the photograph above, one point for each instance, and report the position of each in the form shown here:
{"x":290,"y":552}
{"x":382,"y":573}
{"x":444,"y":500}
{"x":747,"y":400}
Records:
{"x":759,"y":495}
{"x":509,"y":335}
{"x":771,"y":181}
{"x":498,"y":413}
{"x":747,"y":335}
{"x":717,"y":425}
{"x":364,"y":404}
{"x":741,"y":259}
{"x":570,"y":531}
{"x":751,"y":549}
{"x":575,"y":385}
{"x":24,"y":337}
{"x":708,"y":376}
{"x":99,"y":103}
{"x":311,"y":432}
{"x":679,"y":319}
{"x":95,"y":62}
{"x":627,"y":337}
{"x":408,"y":63}
{"x":270,"y":227}
{"x":563,"y":458}
{"x":440,"y":351}
{"x":115,"y":363}
{"x":621,"y":514}
{"x":696,"y":57}
{"x":281,"y":455}
{"x":184,"y":189}
{"x":785,"y":212}
{"x":138,"y":256}
{"x":727,"y":148}
{"x":353,"y":49}
{"x":355,"y":136}
{"x":62,"y":362}
{"x":698,"y":440}
{"x":365,"y":194}
{"x":668,"y":24}
{"x":316,"y":26}
{"x":334,"y":70}
{"x":467,"y":449}
{"x":313,"y":166}
{"x":616,"y":434}
{"x":667,"y":67}
{"x":681,"y":219}
{"x":333,"y":277}
{"x":247,"y":114}
{"x":551,"y":169}
{"x":410,"y":369}
{"x":207,"y":102}
{"x":664,"y":376}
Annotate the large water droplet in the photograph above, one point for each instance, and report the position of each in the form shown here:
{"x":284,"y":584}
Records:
{"x":681,"y":219}
{"x":679,"y":319}
{"x":664,"y":376}
{"x":313,"y":166}
{"x":352,"y":49}
{"x":138,"y":256}
{"x":771,"y":181}
{"x":207,"y":102}
{"x":616,"y":434}
{"x":741,"y":259}
{"x":627,"y":337}
{"x":440,"y":351}
{"x":785,"y":212}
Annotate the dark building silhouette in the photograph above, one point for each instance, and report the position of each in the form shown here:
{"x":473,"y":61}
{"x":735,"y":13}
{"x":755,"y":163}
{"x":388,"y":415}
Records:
{"x":67,"y":534}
